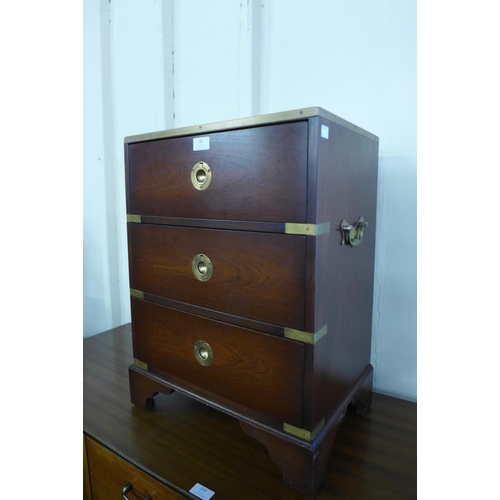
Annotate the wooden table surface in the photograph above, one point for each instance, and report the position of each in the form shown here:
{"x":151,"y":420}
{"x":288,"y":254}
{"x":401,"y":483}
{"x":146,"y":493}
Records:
{"x":183,"y":442}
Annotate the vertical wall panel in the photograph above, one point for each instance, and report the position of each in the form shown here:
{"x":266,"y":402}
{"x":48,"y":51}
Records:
{"x":215,"y":57}
{"x":128,"y":90}
{"x":142,"y":102}
{"x":249,"y":58}
{"x":96,"y":130}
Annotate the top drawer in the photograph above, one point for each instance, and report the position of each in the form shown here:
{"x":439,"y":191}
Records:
{"x":257,"y":174}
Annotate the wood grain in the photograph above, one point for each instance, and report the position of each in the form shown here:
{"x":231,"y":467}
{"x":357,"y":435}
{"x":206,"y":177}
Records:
{"x":252,"y":369}
{"x":258,"y":174}
{"x":255,"y":275}
{"x":87,"y":490}
{"x":261,"y":177}
{"x":109,"y":473}
{"x":182,"y":442}
{"x":340,"y":286}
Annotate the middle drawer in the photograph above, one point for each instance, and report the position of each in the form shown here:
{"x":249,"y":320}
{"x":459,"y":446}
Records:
{"x":260,"y":276}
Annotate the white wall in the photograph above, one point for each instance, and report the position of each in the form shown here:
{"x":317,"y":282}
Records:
{"x":357,"y":59}
{"x":215,"y":59}
{"x":127,"y":90}
{"x":151,"y":65}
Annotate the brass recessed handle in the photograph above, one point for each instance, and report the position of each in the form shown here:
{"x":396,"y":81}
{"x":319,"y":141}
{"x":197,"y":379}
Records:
{"x":126,"y":489}
{"x":203,"y":353}
{"x":201,"y":176}
{"x":352,"y":235}
{"x":202,"y":267}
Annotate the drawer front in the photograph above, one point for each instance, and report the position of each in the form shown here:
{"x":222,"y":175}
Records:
{"x":109,"y":473}
{"x":259,"y":276}
{"x":259,"y":371}
{"x":256,"y":174}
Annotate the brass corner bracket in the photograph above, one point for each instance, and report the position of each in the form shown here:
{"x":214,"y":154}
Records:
{"x":140,"y":364}
{"x":134,"y":218}
{"x":307,"y":229}
{"x":305,"y":337}
{"x":303,"y":433}
{"x":136,"y":293}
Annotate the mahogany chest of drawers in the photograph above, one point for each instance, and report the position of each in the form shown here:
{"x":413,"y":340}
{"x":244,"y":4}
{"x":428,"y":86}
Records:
{"x":251,"y":258}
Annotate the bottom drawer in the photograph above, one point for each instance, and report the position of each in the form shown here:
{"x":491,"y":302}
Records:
{"x":109,"y":473}
{"x":261,"y":372}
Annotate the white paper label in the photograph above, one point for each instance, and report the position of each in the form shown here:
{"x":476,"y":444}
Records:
{"x":324,"y":131}
{"x":201,"y":143}
{"x":201,"y":491}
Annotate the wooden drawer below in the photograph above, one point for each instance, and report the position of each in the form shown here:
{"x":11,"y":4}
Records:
{"x":109,"y":473}
{"x":258,"y":371}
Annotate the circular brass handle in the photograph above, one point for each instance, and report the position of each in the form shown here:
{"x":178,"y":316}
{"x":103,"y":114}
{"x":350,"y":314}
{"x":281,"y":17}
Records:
{"x":202,"y":267}
{"x":203,"y":353}
{"x":201,"y":176}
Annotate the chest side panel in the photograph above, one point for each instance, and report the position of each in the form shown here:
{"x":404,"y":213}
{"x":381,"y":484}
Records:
{"x":347,"y":189}
{"x":255,"y":174}
{"x":259,"y":371}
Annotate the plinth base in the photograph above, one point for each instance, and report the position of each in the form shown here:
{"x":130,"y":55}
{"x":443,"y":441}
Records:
{"x":303,"y":463}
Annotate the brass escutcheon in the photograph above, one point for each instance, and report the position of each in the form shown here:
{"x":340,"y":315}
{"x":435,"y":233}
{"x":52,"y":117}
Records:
{"x":203,"y":353}
{"x":202,"y":267}
{"x":201,"y":176}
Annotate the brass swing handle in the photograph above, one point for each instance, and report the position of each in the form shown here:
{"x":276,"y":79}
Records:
{"x":127,"y":488}
{"x":352,"y":235}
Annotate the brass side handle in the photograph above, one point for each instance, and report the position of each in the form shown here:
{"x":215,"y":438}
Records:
{"x":203,"y":353}
{"x":201,"y":176}
{"x":352,"y":235}
{"x":127,"y":488}
{"x":202,"y":267}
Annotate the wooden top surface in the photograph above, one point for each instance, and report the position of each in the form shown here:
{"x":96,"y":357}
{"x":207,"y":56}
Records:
{"x":251,"y":121}
{"x":184,"y":442}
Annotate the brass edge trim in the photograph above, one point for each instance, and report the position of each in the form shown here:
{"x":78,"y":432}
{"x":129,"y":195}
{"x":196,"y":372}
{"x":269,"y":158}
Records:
{"x":303,"y":433}
{"x":270,"y":118}
{"x":136,"y":293}
{"x":307,"y":229}
{"x":140,"y":364}
{"x":133,"y":218}
{"x":348,"y":125}
{"x":296,"y":431}
{"x":305,"y":337}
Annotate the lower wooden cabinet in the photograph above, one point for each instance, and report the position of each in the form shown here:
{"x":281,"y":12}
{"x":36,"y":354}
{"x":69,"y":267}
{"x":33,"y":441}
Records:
{"x":106,"y":474}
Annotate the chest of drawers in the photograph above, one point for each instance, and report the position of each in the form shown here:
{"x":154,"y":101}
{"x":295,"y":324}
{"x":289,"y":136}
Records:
{"x":251,"y":257}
